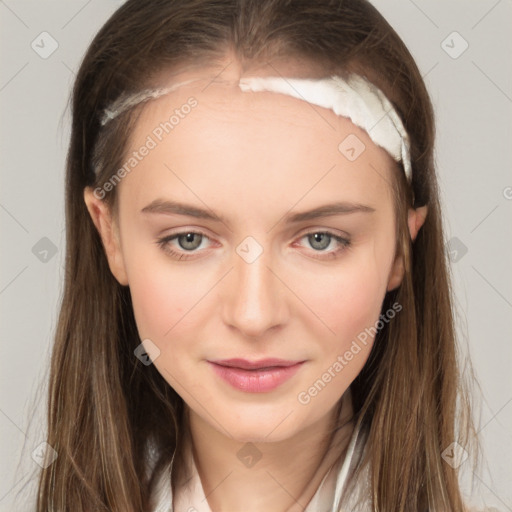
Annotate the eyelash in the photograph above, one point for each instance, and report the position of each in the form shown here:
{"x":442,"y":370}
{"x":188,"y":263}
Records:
{"x":163,"y":243}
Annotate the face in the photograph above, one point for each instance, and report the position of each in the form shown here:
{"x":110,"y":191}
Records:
{"x":256,"y":253}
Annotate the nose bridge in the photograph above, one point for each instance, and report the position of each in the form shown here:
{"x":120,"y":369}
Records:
{"x":254,"y":302}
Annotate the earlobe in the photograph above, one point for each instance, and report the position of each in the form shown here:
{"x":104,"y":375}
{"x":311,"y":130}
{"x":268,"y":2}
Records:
{"x":102,"y":218}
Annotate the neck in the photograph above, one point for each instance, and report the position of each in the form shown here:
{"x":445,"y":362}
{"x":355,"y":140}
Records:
{"x":286,"y":476}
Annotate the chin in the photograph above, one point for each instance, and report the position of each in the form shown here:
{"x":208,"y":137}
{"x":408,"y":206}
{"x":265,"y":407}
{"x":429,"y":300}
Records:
{"x":258,"y":423}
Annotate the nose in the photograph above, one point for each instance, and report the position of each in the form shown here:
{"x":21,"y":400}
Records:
{"x":254,"y":302}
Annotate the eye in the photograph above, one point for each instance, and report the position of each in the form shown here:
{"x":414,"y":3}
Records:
{"x":325,"y":244}
{"x":179,"y":244}
{"x":189,"y":244}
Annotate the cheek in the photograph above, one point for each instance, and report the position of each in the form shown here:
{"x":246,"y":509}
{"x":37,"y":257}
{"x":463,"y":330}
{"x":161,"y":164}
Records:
{"x":163,"y":295}
{"x":347,"y":299}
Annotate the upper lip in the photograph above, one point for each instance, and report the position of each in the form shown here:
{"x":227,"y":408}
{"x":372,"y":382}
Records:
{"x":255,"y":365}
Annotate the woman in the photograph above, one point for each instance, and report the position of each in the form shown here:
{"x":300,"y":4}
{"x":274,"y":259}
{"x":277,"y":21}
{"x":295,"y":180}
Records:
{"x":257,"y":311}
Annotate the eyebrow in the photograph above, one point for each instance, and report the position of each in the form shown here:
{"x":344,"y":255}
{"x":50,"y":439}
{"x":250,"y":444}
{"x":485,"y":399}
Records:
{"x":328,"y":210}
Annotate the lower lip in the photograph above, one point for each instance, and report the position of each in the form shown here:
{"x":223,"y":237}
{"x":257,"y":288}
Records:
{"x":255,"y":381}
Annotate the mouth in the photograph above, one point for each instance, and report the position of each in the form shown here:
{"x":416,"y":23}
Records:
{"x":259,"y":376}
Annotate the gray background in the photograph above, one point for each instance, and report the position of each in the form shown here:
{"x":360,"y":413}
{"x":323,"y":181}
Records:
{"x":472,"y":94}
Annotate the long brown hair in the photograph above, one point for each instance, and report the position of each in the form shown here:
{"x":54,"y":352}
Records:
{"x":105,"y":407}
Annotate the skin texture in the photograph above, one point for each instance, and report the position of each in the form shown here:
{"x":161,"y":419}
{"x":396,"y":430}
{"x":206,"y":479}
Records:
{"x":254,"y":159}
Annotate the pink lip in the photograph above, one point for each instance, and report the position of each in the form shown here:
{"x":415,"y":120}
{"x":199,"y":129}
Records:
{"x":255,"y":376}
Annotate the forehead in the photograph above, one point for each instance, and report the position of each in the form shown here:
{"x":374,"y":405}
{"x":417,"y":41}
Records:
{"x":226,"y":142}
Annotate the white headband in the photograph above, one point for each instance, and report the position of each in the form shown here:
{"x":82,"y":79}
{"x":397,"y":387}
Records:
{"x":356,"y":98}
{"x":359,"y":100}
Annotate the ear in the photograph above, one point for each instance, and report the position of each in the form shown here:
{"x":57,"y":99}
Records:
{"x":415,"y":219}
{"x":107,"y":228}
